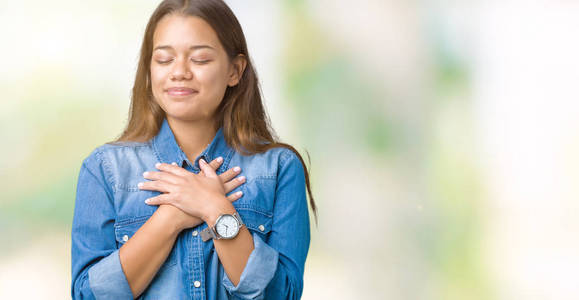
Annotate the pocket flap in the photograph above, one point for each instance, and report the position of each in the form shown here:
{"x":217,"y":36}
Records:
{"x":255,"y":220}
{"x":125,"y":229}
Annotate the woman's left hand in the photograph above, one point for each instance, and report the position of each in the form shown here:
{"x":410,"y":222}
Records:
{"x":198,"y":195}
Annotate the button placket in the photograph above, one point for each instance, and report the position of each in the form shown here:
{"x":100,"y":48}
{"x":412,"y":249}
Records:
{"x":198,"y":266}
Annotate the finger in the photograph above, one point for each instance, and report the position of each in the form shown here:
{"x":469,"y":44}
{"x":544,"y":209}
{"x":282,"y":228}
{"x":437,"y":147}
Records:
{"x":229,"y":174}
{"x":164,"y":176}
{"x":207,"y":169}
{"x":235,"y":196}
{"x":214,"y":164}
{"x":231,"y":185}
{"x":156,"y":185}
{"x":174,"y":169}
{"x":160,"y":199}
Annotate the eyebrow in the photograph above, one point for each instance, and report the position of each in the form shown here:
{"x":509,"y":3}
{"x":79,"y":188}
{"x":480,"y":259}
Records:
{"x":194,"y":47}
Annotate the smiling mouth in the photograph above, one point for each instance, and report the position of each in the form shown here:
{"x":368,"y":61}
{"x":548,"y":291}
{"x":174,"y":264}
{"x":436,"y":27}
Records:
{"x":180,"y":92}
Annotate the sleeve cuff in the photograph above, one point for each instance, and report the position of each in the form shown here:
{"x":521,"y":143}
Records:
{"x":259,"y":271}
{"x":107,"y":279}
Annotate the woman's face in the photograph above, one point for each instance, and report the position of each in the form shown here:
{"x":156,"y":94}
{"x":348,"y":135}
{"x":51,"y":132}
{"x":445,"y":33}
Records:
{"x":190,"y":70}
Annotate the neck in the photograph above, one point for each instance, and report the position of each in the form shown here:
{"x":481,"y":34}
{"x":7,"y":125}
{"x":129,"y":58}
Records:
{"x":192,"y":136}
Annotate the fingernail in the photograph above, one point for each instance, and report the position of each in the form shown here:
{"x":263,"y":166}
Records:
{"x":201,"y":161}
{"x":148,"y":201}
{"x":174,"y":163}
{"x":239,"y":193}
{"x":241,"y":178}
{"x":219,"y":159}
{"x":140,"y":185}
{"x":145,"y":174}
{"x":157,"y":165}
{"x":237,"y":169}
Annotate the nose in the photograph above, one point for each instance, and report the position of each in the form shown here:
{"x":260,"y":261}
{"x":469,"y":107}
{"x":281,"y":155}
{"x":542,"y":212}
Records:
{"x":181,"y":71}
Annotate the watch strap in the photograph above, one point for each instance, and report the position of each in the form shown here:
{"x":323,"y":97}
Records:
{"x":238,"y":217}
{"x":209,"y":232}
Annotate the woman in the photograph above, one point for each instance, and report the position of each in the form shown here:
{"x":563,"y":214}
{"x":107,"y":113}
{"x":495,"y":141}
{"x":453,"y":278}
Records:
{"x":164,"y":211}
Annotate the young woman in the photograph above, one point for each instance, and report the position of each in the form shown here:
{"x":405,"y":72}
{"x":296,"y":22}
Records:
{"x":196,"y":199}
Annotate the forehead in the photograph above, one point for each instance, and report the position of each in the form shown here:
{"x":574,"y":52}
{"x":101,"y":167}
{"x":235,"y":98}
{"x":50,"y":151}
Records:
{"x":182,"y":31}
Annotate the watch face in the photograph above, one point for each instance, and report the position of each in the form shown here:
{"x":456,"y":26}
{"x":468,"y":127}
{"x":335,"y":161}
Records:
{"x":227,"y":226}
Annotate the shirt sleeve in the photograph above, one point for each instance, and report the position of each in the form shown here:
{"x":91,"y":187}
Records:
{"x":96,"y":267}
{"x":275,"y":269}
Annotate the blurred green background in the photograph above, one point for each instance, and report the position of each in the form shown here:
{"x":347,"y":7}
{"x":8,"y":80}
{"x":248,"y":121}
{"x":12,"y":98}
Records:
{"x":443,"y":137}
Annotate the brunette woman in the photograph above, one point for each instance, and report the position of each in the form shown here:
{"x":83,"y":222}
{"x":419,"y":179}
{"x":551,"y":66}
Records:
{"x":196,"y":199}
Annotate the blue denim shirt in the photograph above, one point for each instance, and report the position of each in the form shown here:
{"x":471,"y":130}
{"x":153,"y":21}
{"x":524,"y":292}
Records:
{"x":110,"y":208}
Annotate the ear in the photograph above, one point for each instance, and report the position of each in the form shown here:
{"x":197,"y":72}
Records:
{"x":238,"y":65}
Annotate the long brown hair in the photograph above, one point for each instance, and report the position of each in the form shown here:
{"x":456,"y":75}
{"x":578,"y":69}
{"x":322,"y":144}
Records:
{"x":246,"y":126}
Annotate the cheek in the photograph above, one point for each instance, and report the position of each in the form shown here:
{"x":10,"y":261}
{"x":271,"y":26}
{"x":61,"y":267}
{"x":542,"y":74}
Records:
{"x":211,"y":78}
{"x":157,"y":81}
{"x":158,"y":76}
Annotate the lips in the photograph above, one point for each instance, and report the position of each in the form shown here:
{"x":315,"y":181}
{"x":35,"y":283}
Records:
{"x":180,"y":91}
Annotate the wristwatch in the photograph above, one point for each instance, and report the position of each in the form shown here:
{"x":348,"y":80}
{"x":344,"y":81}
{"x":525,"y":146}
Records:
{"x":226,"y":227}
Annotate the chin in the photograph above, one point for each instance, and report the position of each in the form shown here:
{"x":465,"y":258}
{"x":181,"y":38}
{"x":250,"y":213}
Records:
{"x":181,"y":115}
{"x":179,"y":107}
{"x":184,"y":110}
{"x":184,"y":114}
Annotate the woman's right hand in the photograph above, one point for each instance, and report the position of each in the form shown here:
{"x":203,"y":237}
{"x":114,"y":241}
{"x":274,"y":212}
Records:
{"x":183,"y":220}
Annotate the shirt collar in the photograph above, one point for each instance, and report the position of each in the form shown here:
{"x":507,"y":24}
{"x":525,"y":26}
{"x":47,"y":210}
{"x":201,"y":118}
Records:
{"x":168,"y":151}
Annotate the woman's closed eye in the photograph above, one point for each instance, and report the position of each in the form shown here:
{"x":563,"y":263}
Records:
{"x":196,"y":61}
{"x":164,"y":62}
{"x":200,"y":61}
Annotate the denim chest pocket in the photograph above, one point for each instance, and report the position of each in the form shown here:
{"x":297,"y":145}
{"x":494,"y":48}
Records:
{"x":258,"y":195}
{"x":125,"y":229}
{"x":131,"y":202}
{"x":256,"y":221}
{"x":256,"y":205}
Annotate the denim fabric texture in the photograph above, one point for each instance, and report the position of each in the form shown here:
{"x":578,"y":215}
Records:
{"x":110,"y":208}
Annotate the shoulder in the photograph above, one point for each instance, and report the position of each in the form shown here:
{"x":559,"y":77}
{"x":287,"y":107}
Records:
{"x":123,"y":147}
{"x":269,"y":164}
{"x":290,"y":165}
{"x":103,"y":153}
{"x":277,"y":154}
{"x":119,"y":152}
{"x":288,"y":157}
{"x":107,"y":159}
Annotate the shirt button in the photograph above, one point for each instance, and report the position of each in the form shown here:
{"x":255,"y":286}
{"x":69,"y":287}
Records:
{"x":194,"y":233}
{"x":197,"y":284}
{"x":261,"y":228}
{"x":125,"y":238}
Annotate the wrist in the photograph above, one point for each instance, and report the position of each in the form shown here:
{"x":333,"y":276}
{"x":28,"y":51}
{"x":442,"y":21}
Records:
{"x":220,"y":206}
{"x":166,"y":214}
